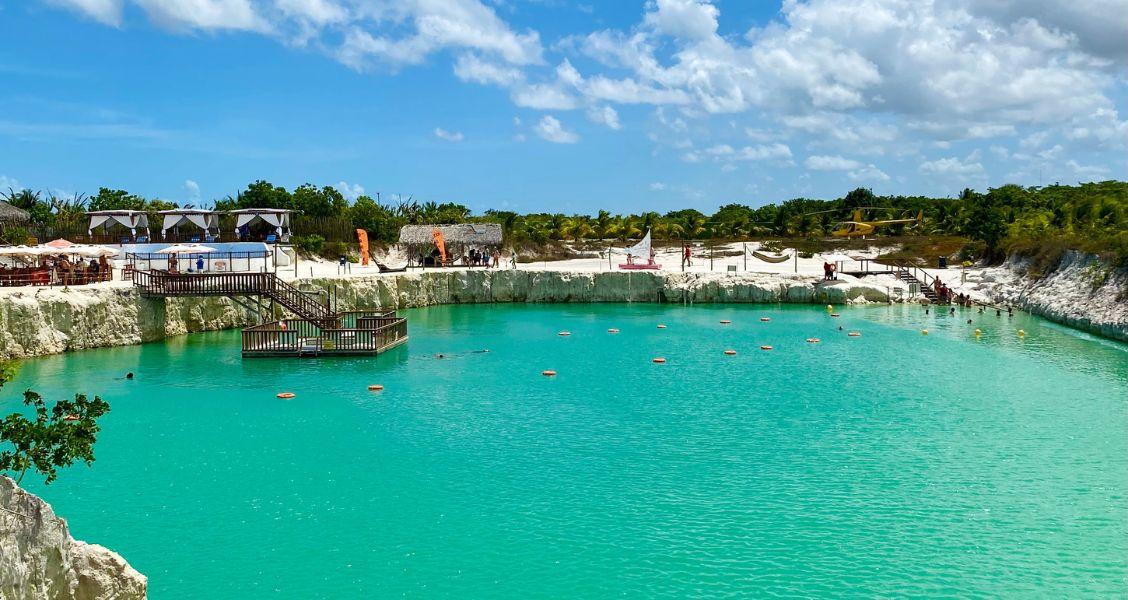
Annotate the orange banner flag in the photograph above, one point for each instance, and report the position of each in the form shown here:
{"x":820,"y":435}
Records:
{"x":362,"y":237}
{"x":439,"y":243}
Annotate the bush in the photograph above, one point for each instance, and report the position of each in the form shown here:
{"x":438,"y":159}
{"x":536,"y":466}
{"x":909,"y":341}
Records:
{"x":310,"y":244}
{"x":334,"y":250}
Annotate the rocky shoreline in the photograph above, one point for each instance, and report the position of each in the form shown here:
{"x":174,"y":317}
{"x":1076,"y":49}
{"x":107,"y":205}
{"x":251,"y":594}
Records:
{"x":48,"y":321}
{"x":40,"y":559}
{"x":51,"y":320}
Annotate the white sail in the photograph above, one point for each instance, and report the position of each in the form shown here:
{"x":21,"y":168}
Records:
{"x":639,"y":250}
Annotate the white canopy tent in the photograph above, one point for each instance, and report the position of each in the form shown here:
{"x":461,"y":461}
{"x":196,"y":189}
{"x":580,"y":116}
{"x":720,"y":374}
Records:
{"x":207,"y":220}
{"x":278,"y":218}
{"x":130,"y":219}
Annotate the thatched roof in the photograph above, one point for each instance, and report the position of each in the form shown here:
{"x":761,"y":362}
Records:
{"x":484,"y":234}
{"x":11,"y":214}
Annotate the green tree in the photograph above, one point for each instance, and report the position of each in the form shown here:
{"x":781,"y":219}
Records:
{"x":263,"y":194}
{"x":107,"y":199}
{"x":56,"y":437}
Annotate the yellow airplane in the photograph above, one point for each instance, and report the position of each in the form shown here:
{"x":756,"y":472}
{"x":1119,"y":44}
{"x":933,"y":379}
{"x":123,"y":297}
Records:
{"x":860,"y":228}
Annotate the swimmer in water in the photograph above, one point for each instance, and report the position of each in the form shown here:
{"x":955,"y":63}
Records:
{"x":129,"y":375}
{"x":839,"y":328}
{"x":969,"y":321}
{"x":440,"y":355}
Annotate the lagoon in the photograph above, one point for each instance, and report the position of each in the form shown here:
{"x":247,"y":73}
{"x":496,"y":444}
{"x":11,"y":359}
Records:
{"x":890,"y":464}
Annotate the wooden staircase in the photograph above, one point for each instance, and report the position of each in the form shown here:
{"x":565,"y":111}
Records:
{"x":162,"y":284}
{"x":909,"y":275}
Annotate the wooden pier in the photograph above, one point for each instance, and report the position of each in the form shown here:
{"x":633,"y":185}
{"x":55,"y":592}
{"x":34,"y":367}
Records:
{"x":315,"y":330}
{"x":360,"y":333}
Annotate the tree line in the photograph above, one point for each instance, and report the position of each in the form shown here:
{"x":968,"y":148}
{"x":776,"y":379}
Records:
{"x":1090,"y":216}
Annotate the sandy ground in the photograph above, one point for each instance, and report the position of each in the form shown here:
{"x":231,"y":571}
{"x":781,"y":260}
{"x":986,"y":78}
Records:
{"x":978,"y":282}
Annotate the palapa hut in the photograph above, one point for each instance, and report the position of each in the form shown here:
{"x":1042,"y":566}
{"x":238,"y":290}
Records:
{"x":421,"y":242}
{"x":10,"y":215}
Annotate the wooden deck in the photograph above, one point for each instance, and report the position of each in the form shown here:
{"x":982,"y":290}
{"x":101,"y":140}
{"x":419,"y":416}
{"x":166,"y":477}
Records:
{"x":315,"y":331}
{"x":359,"y":333}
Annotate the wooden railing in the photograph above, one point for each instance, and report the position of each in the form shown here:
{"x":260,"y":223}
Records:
{"x":42,"y":276}
{"x":290,"y":337}
{"x":164,"y":283}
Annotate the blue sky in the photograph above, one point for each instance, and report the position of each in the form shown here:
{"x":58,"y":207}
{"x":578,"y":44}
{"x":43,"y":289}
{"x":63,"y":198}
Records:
{"x":562,"y":106}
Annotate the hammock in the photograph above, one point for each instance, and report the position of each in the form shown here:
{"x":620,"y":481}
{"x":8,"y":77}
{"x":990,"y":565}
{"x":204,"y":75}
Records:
{"x":769,"y":258}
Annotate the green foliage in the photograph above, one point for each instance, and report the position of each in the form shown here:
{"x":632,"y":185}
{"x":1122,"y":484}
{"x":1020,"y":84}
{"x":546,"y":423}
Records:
{"x":56,"y":437}
{"x":1091,"y":217}
{"x":311,"y":244}
{"x":335,"y":250}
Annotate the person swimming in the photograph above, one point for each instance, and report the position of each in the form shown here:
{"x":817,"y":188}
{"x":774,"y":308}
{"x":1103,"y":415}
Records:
{"x":129,"y":375}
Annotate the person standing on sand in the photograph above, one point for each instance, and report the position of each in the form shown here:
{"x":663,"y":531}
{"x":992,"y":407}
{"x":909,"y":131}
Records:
{"x":687,"y":257}
{"x":513,"y":259}
{"x":496,"y":256}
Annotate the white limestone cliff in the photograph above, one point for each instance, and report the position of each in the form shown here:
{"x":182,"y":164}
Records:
{"x":39,"y":559}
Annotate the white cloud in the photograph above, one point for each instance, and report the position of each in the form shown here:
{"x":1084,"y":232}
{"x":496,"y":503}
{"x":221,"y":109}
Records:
{"x":605,"y":115}
{"x":205,"y":14}
{"x":544,"y":97}
{"x":450,"y":136}
{"x":316,"y":12}
{"x":552,"y":130}
{"x":350,"y":191}
{"x":193,"y":190}
{"x":868,"y":173}
{"x":657,"y":186}
{"x":104,"y":11}
{"x":831,"y":163}
{"x":7,"y":183}
{"x":1088,"y":172}
{"x":961,"y":170}
{"x":470,"y":67}
{"x":433,"y":26}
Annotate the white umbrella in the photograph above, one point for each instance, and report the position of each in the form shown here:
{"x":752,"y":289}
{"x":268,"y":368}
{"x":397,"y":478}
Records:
{"x":91,"y":251}
{"x":187,"y":249}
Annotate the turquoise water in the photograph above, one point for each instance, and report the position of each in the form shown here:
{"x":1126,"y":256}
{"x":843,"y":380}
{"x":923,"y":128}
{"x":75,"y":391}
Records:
{"x":891,"y":464}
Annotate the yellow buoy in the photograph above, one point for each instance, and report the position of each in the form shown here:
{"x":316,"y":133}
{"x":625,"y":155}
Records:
{"x":978,"y":332}
{"x":830,"y":308}
{"x":1021,"y":333}
{"x":924,"y":332}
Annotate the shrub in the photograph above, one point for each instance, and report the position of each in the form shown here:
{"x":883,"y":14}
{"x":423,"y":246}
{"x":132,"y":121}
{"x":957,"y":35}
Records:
{"x":310,"y":244}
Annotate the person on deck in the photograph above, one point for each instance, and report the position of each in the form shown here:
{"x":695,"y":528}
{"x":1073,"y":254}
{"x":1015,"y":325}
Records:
{"x":199,"y":264}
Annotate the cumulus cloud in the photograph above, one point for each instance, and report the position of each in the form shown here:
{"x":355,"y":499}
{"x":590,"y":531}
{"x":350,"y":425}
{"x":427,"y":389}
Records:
{"x":830,"y":163}
{"x":350,"y":191}
{"x":605,"y":115}
{"x":450,"y":136}
{"x":657,"y":186}
{"x":956,"y":168}
{"x":552,"y":130}
{"x":193,"y":190}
